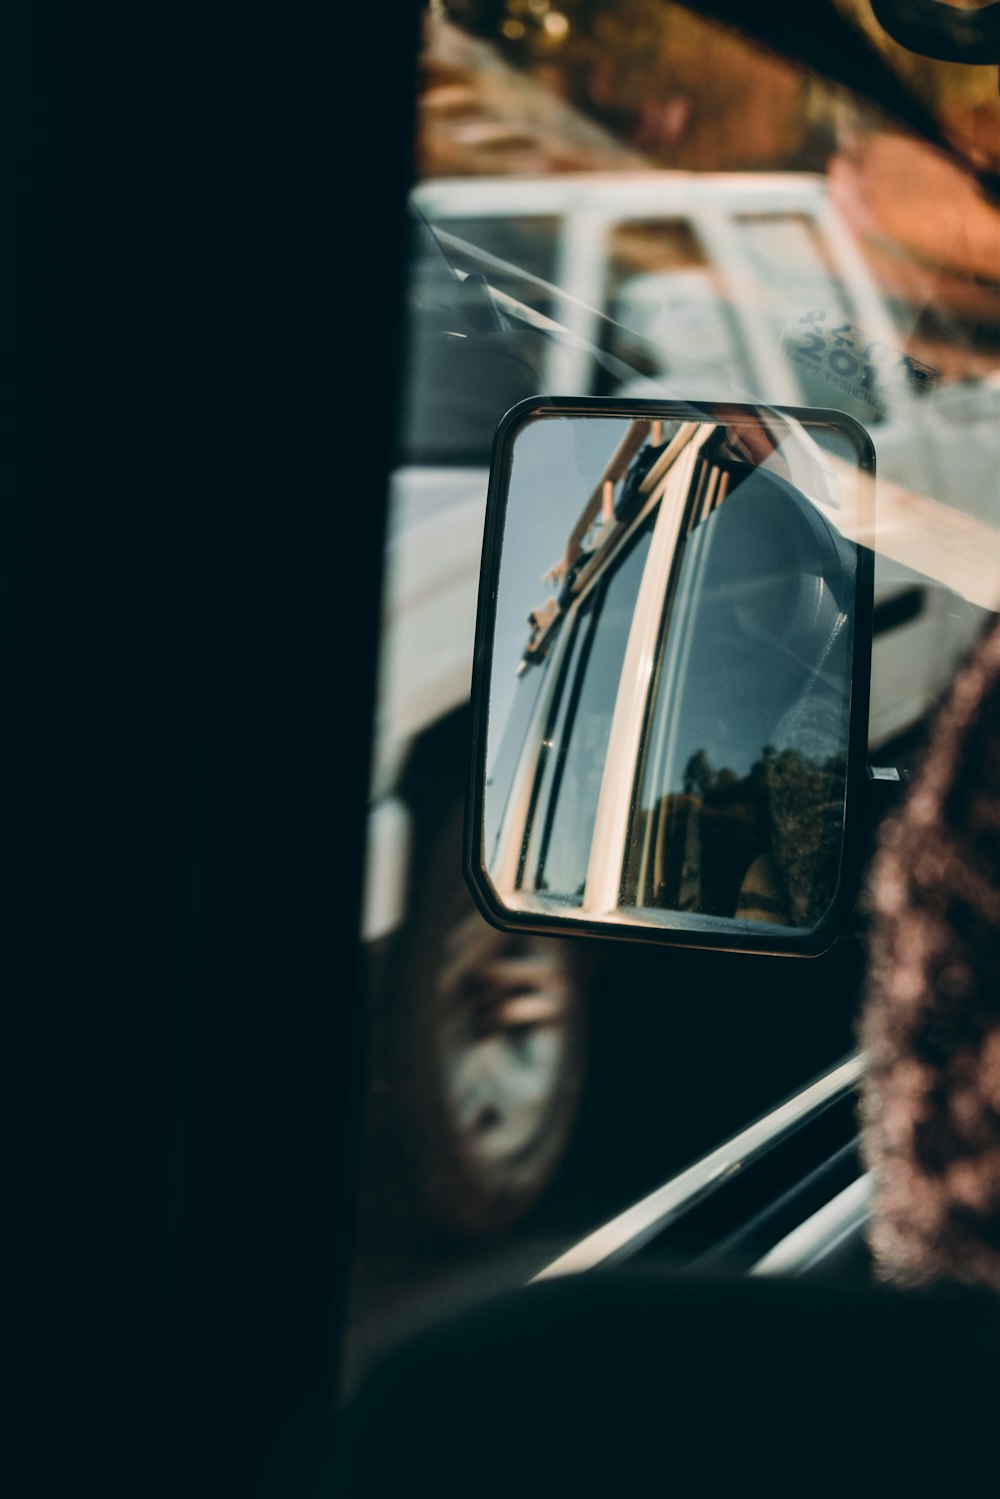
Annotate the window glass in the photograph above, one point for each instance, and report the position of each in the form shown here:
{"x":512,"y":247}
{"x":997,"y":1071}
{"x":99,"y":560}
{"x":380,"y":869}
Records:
{"x":527,"y":244}
{"x":793,"y":278}
{"x":554,"y":737}
{"x":625,"y":195}
{"x":717,"y":823}
{"x":577,"y":746}
{"x":463,"y":363}
{"x":660,"y":284}
{"x":502,"y":771}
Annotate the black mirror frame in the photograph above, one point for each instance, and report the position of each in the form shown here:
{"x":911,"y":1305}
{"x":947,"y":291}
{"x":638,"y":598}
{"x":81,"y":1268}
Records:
{"x":811,"y":943}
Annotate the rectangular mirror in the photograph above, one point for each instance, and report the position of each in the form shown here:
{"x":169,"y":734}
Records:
{"x":672,"y":670}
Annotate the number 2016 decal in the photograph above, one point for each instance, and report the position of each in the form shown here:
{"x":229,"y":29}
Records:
{"x":852,"y":362}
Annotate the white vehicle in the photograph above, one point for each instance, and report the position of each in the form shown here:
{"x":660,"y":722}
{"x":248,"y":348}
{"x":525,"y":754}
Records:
{"x":716,"y":287}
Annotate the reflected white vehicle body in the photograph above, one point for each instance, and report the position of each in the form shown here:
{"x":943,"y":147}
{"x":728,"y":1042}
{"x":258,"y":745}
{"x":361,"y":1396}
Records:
{"x":757,"y":248}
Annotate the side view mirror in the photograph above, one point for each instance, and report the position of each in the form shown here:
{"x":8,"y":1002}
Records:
{"x":672,"y":669}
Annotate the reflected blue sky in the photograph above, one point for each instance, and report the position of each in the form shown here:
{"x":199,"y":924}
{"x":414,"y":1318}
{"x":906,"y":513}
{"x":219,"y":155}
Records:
{"x":557,"y":463}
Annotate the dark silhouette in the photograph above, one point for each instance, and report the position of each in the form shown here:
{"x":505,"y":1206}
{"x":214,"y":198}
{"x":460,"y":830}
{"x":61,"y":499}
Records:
{"x":931,"y":1018}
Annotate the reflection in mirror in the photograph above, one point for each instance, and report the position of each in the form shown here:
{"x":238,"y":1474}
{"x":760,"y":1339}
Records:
{"x":676,"y":676}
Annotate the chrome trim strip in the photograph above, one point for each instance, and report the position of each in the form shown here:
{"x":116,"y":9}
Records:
{"x":812,"y":1240}
{"x":630,"y":1230}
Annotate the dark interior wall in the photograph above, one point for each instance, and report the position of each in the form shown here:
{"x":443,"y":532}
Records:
{"x":203,"y":238}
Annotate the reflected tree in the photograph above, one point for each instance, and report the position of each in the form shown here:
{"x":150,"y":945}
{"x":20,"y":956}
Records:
{"x":764,"y":846}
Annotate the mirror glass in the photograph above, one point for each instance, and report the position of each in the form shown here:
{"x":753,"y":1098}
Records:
{"x":672,"y":673}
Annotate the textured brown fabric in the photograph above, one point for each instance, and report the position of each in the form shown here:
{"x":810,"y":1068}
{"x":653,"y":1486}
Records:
{"x":931,"y":1017}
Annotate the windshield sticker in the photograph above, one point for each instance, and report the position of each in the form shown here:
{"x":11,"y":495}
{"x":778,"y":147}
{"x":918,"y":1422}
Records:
{"x":855,"y":364}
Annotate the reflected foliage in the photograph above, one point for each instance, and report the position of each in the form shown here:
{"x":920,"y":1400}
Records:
{"x":639,"y":68}
{"x":765,"y":846}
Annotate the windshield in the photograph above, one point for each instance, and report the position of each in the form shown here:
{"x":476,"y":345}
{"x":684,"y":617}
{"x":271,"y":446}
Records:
{"x":642,"y":198}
